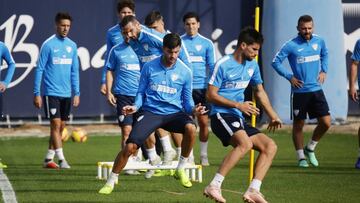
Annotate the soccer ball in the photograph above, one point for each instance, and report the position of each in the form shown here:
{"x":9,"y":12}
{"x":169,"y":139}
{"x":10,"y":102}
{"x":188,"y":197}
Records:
{"x":65,"y":135}
{"x":79,"y":135}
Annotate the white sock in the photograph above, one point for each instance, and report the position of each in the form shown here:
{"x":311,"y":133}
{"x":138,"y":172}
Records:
{"x":203,"y":148}
{"x":311,"y":145}
{"x":178,"y":152}
{"x":166,"y":144}
{"x":255,"y":184}
{"x":191,"y":155}
{"x":217,"y":180}
{"x":359,"y":152}
{"x":300,"y":154}
{"x":59,"y":153}
{"x":113,"y":177}
{"x":50,"y":154}
{"x":182,"y":162}
{"x":151,"y":153}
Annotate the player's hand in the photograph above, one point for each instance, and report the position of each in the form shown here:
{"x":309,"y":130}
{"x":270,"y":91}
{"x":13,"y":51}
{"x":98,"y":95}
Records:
{"x":274,"y":124}
{"x":76,"y":101}
{"x":199,"y":110}
{"x":103,"y":89}
{"x":111,"y":99}
{"x":296,"y":82}
{"x":321,"y":77}
{"x":37,"y":102}
{"x":127,"y":110}
{"x":2,"y":87}
{"x":248,"y":108}
{"x":353,"y":94}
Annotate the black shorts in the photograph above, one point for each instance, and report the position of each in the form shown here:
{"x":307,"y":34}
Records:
{"x":148,"y":122}
{"x":121,"y":101}
{"x":199,"y":96}
{"x":1,"y":107}
{"x":57,"y":107}
{"x":313,"y":104}
{"x":224,"y":126}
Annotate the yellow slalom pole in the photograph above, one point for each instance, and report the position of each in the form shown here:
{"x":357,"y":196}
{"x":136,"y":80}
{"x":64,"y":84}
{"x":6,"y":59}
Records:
{"x":253,"y":117}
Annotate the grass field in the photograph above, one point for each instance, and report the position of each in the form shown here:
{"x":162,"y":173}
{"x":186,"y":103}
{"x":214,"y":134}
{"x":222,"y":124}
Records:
{"x":335,"y":180}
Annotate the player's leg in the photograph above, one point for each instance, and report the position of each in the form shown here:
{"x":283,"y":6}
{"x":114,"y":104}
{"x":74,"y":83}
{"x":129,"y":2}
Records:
{"x":267,"y":150}
{"x":65,"y":107}
{"x":203,"y":121}
{"x":169,"y":152}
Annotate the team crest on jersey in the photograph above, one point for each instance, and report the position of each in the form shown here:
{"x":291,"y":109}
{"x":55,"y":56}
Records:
{"x":53,"y":111}
{"x":296,"y":112}
{"x":146,"y":47}
{"x":250,"y":72}
{"x":236,"y":124}
{"x":198,"y":47}
{"x":174,"y":77}
{"x":315,"y":46}
{"x":68,"y":49}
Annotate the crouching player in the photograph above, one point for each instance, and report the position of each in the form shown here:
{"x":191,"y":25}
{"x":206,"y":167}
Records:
{"x":164,"y":93}
{"x":232,"y":74}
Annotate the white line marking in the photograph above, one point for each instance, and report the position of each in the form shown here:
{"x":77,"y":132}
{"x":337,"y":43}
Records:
{"x":7,"y":191}
{"x":173,"y":193}
{"x":232,"y":191}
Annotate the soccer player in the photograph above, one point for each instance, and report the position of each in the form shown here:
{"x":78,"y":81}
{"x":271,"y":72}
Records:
{"x":202,"y":56}
{"x":5,"y":55}
{"x":308,"y":58}
{"x":352,"y":90}
{"x":164,"y":95}
{"x":154,"y":20}
{"x":113,"y":35}
{"x":58,"y":72}
{"x":123,"y":65}
{"x":231,"y":75}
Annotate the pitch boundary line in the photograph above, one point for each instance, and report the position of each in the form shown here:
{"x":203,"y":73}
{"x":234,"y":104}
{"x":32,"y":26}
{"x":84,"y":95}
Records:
{"x":8,"y":193}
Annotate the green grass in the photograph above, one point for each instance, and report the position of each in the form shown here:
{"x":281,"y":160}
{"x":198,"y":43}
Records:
{"x":335,"y":180}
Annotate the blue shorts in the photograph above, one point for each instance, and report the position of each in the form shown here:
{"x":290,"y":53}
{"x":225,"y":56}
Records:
{"x":224,"y":126}
{"x":313,"y":104}
{"x":147,"y":122}
{"x":199,"y":96}
{"x":57,"y":107}
{"x":121,"y":101}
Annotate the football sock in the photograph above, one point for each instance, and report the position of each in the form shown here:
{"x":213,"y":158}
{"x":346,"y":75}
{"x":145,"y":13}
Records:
{"x":311,"y":145}
{"x":59,"y":153}
{"x":300,"y":154}
{"x":49,"y":155}
{"x":165,"y":142}
{"x":255,"y":184}
{"x":203,"y":148}
{"x":113,"y":177}
{"x":151,"y":153}
{"x":217,"y":180}
{"x":178,"y":152}
{"x":182,"y":162}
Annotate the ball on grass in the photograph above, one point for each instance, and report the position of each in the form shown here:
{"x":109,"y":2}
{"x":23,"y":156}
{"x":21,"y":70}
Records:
{"x":79,"y":135}
{"x":65,"y":135}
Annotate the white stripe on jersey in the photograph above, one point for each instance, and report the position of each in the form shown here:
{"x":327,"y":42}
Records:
{"x":212,"y":44}
{"x":153,"y":35}
{"x":212,"y":79}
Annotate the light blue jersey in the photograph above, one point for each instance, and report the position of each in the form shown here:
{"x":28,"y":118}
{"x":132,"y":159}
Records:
{"x":5,"y":55}
{"x":202,"y":57}
{"x":149,"y":46}
{"x":232,"y":78}
{"x":125,"y":64}
{"x":58,"y":67}
{"x":165,"y":90}
{"x":306,"y":59}
{"x":356,"y":55}
{"x":113,"y":37}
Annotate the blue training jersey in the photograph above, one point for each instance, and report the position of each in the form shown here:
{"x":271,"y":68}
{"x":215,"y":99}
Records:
{"x":149,"y":46}
{"x":57,"y":68}
{"x":202,"y":57}
{"x":126,"y":67}
{"x":5,"y":55}
{"x":306,"y":59}
{"x":165,"y":90}
{"x":113,"y":37}
{"x":356,"y":55}
{"x":232,"y":78}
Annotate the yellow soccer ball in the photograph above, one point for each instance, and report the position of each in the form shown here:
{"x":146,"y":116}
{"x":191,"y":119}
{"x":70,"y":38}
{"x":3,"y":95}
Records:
{"x":79,"y":135}
{"x":65,"y":135}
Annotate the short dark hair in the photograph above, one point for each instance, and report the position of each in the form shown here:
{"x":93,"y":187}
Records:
{"x":125,"y":3}
{"x":152,"y":17}
{"x":171,"y":41}
{"x":61,"y":16}
{"x":191,"y":15}
{"x":249,"y":35}
{"x":126,"y":20}
{"x":305,"y":19}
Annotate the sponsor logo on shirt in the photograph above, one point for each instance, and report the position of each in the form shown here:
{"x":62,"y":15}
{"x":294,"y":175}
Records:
{"x":196,"y":59}
{"x":163,"y":88}
{"x":62,"y":61}
{"x":237,"y":85}
{"x":307,"y":59}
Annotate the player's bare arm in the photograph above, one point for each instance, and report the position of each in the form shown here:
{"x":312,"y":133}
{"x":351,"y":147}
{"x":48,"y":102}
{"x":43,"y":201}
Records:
{"x":127,"y":110}
{"x":322,"y":77}
{"x":296,"y":82}
{"x":109,"y":81}
{"x":76,"y":101}
{"x":352,"y":79}
{"x":37,"y":101}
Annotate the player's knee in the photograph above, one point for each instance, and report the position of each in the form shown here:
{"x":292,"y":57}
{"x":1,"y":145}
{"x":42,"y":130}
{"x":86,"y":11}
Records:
{"x":130,"y":148}
{"x":271,"y":148}
{"x":190,"y":129}
{"x":326,"y":124}
{"x":245,"y":146}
